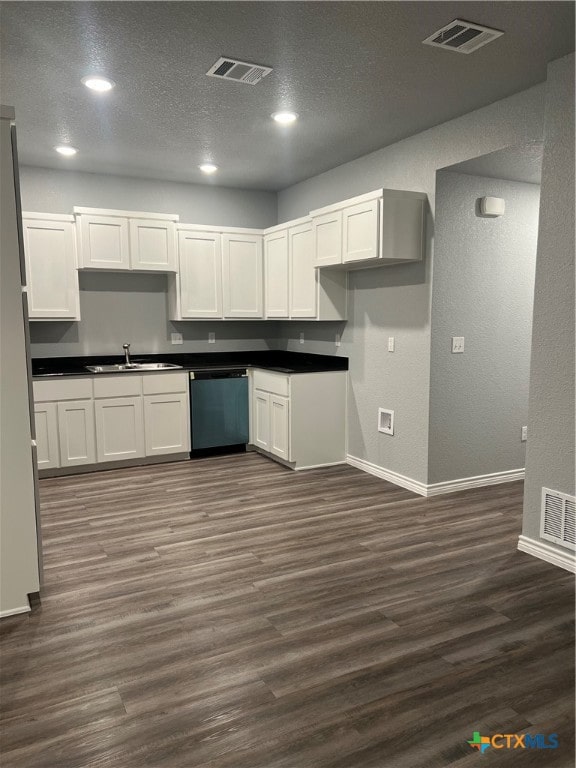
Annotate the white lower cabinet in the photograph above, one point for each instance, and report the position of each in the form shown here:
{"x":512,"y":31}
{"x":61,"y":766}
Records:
{"x":299,"y":418}
{"x":119,"y":428}
{"x":280,"y":426}
{"x":76,"y":432}
{"x":166,"y":424}
{"x":46,"y":421}
{"x":261,"y":419}
{"x":82,"y":420}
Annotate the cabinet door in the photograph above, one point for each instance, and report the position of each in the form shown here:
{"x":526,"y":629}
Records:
{"x":303,"y":288}
{"x":280,"y":427}
{"x":51,"y":270}
{"x":200,"y":255}
{"x":242,"y":275}
{"x":360,"y":231}
{"x":166,"y":424}
{"x":119,"y":428}
{"x":76,"y":432}
{"x":46,"y":421}
{"x":328,"y":239}
{"x":152,"y":245}
{"x":261,"y":419}
{"x":104,"y":242}
{"x":276,"y":274}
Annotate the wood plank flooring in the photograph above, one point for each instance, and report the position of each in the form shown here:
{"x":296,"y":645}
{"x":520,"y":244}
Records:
{"x":231,"y":613}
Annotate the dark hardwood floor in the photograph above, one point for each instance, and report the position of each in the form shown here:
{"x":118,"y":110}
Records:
{"x":231,"y":613}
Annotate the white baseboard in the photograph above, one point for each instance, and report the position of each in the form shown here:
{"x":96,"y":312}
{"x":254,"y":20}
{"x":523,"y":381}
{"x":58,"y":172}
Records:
{"x":479,"y":481}
{"x":545,"y":552}
{"x":321,"y":466}
{"x":435,"y":489}
{"x":15,"y":611}
{"x":386,"y":474}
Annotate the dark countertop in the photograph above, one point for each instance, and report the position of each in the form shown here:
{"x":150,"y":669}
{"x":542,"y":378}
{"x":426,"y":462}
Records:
{"x":273,"y":360}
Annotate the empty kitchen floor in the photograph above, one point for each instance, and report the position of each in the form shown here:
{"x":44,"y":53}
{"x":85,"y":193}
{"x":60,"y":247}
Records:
{"x":232,"y":613}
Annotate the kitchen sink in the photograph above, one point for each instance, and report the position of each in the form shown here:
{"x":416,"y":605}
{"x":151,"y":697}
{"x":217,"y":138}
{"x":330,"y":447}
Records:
{"x":132,"y":367}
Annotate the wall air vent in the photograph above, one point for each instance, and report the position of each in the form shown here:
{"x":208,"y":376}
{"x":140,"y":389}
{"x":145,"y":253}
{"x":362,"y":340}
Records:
{"x":240,"y":71}
{"x":462,"y":36}
{"x":558,"y":518}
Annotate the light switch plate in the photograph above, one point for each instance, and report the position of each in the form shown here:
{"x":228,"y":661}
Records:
{"x":524,"y":434}
{"x":211,"y":337}
{"x":301,"y":338}
{"x":176,"y":338}
{"x":337,"y":339}
{"x":391,"y":343}
{"x":457,"y":344}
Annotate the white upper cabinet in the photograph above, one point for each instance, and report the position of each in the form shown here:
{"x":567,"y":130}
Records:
{"x":242,"y":275}
{"x":377,"y":229}
{"x":276,"y":274}
{"x":126,"y":240}
{"x":328,"y":239}
{"x":199,"y":286}
{"x":153,"y":245}
{"x":51,"y":267}
{"x":104,"y":242}
{"x":360,"y":231}
{"x":303,"y":295}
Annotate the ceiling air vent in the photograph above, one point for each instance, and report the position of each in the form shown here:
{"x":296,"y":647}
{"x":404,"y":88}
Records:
{"x":558,"y":518}
{"x":240,"y":71}
{"x":462,"y":36}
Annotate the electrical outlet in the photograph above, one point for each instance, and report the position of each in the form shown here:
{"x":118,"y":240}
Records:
{"x":524,"y":434}
{"x":176,"y":338}
{"x":211,"y":337}
{"x":391,"y":343}
{"x":337,"y":339}
{"x":301,"y":338}
{"x":457,"y":344}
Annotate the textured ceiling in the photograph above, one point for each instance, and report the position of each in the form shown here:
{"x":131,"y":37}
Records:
{"x":356,"y":72}
{"x":523,"y":163}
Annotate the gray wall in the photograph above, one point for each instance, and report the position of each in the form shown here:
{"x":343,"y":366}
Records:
{"x":483,"y":290}
{"x":119,"y":307}
{"x":50,"y":191}
{"x":550,"y":452}
{"x":396,"y":300}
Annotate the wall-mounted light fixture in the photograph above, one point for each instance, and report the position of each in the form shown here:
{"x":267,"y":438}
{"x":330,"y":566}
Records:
{"x":492,"y":206}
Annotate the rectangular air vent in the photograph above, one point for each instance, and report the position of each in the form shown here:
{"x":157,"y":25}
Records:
{"x":462,"y":36}
{"x":558,"y":518}
{"x":240,"y":71}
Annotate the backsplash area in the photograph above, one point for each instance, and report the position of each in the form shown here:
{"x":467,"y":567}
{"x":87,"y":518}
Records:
{"x":118,"y":308}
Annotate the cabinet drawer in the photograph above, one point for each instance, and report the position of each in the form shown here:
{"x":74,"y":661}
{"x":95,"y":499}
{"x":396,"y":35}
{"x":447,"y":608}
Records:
{"x":276,"y":383}
{"x":62,"y":389}
{"x":124,"y":385}
{"x":164,"y":383}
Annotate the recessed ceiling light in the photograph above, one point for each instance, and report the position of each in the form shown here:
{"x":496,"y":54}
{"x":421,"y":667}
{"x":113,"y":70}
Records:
{"x":285,"y":118}
{"x":66,"y":150}
{"x":100,"y":84}
{"x":208,"y":168}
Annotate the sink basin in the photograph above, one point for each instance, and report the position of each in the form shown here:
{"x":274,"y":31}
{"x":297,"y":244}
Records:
{"x":132,"y":368}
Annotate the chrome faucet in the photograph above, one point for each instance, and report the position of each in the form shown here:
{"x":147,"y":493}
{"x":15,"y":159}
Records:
{"x":126,"y":348}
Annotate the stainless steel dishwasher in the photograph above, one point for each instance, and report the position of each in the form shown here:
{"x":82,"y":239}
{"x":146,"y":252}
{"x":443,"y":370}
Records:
{"x":219,"y":411}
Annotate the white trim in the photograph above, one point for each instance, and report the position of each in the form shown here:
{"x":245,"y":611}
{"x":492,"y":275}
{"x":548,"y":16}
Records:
{"x":375,"y":195}
{"x":125,"y":214}
{"x":386,"y":474}
{"x":181,"y":227}
{"x":15,"y":611}
{"x":435,"y":489}
{"x":48,"y":217}
{"x":287,"y":225}
{"x":478,"y":481}
{"x":321,"y":466}
{"x":545,"y":552}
